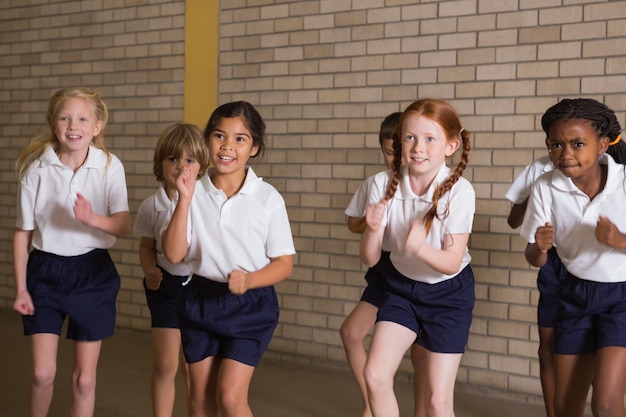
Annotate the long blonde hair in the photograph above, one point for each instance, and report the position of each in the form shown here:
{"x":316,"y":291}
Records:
{"x":38,"y":144}
{"x":442,"y":113}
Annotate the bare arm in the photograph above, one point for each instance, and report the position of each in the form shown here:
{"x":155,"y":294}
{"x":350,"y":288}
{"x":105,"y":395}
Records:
{"x":357,"y":224}
{"x":516,"y":215}
{"x":608,"y":233}
{"x":277,"y":270}
{"x":117,"y":224}
{"x":372,"y":239}
{"x":174,"y":238}
{"x":446,"y":260}
{"x":148,"y":260}
{"x":21,"y":249}
{"x":537,"y":253}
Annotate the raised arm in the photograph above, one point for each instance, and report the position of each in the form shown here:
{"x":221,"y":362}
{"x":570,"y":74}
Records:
{"x":372,"y":239}
{"x":174,"y":238}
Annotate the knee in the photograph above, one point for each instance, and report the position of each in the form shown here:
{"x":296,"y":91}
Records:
{"x":562,"y":409}
{"x":377,"y":380}
{"x":546,"y":355}
{"x":165,"y":368}
{"x":349,"y":335}
{"x":438,"y":405}
{"x":84,"y":383}
{"x":44,"y":376}
{"x":231,"y":401}
{"x":601,"y":407}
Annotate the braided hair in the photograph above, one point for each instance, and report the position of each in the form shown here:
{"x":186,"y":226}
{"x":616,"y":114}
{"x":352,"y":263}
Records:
{"x":602,"y":119}
{"x":442,"y":113}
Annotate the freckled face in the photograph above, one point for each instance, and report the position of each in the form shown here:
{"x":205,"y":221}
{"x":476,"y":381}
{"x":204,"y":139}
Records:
{"x":425,"y":146}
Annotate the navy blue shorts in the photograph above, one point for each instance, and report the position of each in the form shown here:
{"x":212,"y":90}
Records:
{"x":592,"y":315}
{"x":549,"y":279}
{"x":440,"y":314}
{"x":83,"y":288}
{"x":215,"y":322}
{"x":374,"y":293}
{"x":164,"y":301}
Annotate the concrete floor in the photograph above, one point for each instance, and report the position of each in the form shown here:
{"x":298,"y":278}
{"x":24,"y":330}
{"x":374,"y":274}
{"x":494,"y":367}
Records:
{"x":278,"y":389}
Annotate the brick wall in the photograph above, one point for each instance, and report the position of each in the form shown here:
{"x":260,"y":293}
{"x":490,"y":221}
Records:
{"x":134,"y":57}
{"x":323,"y":74}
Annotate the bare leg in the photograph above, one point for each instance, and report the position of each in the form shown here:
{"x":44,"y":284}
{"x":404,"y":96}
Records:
{"x":184,"y":366}
{"x":573,"y":379}
{"x":44,"y":349}
{"x":233,"y":386}
{"x":353,"y":332}
{"x":165,"y":360}
{"x":203,"y":377}
{"x":546,"y":367}
{"x":382,"y":364}
{"x":609,"y":382}
{"x":86,"y":355}
{"x":441,"y":371}
{"x":418,"y":359}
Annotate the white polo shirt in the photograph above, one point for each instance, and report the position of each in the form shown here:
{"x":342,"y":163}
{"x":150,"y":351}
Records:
{"x":520,"y":189}
{"x":366,"y":195}
{"x":557,"y":200}
{"x":46,"y":196}
{"x":456,"y":215}
{"x":241,"y":232}
{"x":151,"y":216}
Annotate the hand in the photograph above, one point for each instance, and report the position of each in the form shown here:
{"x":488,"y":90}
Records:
{"x":238,"y":282}
{"x":607,"y":233}
{"x":153,"y":278}
{"x":544,"y":237}
{"x":415,"y":238}
{"x":186,"y":181}
{"x":374,"y":215}
{"x":23,"y":304}
{"x":82,"y":209}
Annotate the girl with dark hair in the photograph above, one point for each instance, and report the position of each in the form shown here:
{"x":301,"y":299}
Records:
{"x":552,"y":273}
{"x":232,"y":229}
{"x":578,"y":208}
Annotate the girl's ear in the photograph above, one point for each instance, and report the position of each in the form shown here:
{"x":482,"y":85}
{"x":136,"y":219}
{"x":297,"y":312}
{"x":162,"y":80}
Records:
{"x":452,"y":146}
{"x":604,"y":145}
{"x":254,"y":151}
{"x":98,"y":128}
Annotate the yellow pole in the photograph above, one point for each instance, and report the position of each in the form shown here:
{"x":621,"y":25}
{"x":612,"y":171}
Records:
{"x":201,"y":43}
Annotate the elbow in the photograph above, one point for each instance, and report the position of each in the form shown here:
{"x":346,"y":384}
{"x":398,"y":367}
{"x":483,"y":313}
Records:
{"x":172,"y":252}
{"x":172,"y":255}
{"x":368,"y":260}
{"x":513,"y":224}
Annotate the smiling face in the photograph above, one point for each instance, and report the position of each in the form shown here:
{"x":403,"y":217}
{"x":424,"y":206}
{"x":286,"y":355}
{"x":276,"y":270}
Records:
{"x":425,"y":146}
{"x":230,"y":145}
{"x":574,"y":149}
{"x":75,"y":126}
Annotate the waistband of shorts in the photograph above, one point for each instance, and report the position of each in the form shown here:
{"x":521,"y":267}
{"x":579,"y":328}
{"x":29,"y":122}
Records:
{"x":94,"y":253}
{"x":208,"y":281}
